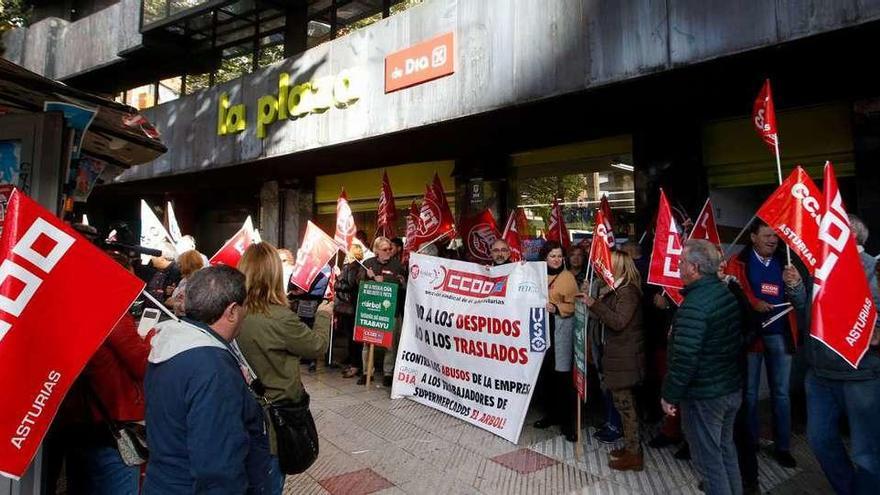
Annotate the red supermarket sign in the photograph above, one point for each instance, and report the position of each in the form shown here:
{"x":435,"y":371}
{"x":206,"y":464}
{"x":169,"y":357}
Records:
{"x":424,"y":62}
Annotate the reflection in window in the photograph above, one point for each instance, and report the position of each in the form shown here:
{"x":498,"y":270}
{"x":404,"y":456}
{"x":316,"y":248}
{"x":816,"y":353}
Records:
{"x":169,"y":89}
{"x":140,"y":97}
{"x":580,"y":195}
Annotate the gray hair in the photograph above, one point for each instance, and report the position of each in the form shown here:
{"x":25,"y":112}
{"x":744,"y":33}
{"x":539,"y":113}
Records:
{"x":860,"y":230}
{"x":702,"y":254}
{"x":211,"y":290}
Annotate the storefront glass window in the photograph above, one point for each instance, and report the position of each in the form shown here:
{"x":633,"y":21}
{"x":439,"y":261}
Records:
{"x":578,"y":176}
{"x":169,"y":89}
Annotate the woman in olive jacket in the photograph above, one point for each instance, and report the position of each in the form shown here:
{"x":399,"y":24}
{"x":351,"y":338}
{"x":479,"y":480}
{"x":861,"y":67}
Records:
{"x":619,"y":309}
{"x":273,"y":339}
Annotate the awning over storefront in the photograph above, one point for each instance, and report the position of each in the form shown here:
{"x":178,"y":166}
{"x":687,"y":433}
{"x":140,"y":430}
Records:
{"x":118,"y":135}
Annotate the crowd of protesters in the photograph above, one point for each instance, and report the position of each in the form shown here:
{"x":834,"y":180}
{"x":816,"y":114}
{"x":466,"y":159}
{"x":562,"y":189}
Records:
{"x":201,"y":383}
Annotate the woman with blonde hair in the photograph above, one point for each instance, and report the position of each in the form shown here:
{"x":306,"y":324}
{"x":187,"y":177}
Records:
{"x":273,"y":339}
{"x":619,"y":309}
{"x":346,"y":289}
{"x":189,"y":262}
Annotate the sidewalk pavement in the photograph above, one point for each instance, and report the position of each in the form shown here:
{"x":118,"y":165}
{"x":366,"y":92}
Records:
{"x":372,"y":444}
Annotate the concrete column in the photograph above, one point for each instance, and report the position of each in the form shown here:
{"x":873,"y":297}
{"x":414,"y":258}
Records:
{"x":270,"y":212}
{"x":866,"y":130}
{"x":297,"y":208}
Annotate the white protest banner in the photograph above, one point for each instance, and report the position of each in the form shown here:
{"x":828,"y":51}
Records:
{"x":473,"y":340}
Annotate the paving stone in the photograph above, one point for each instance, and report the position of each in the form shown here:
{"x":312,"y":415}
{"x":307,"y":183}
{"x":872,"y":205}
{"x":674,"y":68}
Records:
{"x":524,"y":461}
{"x":362,"y":482}
{"x":332,"y":461}
{"x":303,"y":484}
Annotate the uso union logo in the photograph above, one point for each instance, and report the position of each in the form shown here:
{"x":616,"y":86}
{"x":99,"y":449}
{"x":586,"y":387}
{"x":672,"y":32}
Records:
{"x":538,"y":329}
{"x":473,"y":284}
{"x":480,"y":240}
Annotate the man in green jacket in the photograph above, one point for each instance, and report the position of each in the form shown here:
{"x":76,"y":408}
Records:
{"x":703,"y":381}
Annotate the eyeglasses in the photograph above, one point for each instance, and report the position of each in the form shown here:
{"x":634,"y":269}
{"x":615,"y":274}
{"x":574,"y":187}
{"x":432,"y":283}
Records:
{"x":386,"y":249}
{"x":501,"y":250}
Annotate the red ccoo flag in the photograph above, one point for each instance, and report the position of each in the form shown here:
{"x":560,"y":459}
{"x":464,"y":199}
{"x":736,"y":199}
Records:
{"x":439,"y":193}
{"x":556,"y":229}
{"x":47,"y":331}
{"x":600,"y":252}
{"x":412,"y":228}
{"x":843,"y":311}
{"x":232,"y":250}
{"x":667,"y":249}
{"x":387,"y":212}
{"x":479,"y":232}
{"x":345,"y":228}
{"x":609,"y":220}
{"x":316,"y":250}
{"x":764,"y":118}
{"x":511,"y":235}
{"x":794,"y":211}
{"x":435,"y":219}
{"x":706,"y":228}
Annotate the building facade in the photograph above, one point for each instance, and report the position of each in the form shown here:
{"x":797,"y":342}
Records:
{"x":512,"y":102}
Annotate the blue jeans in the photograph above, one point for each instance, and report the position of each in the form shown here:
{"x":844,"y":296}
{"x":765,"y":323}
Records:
{"x":778,"y":378}
{"x":612,"y":416}
{"x":859,"y":402}
{"x":99,"y":470}
{"x":708,"y":428}
{"x":276,"y":477}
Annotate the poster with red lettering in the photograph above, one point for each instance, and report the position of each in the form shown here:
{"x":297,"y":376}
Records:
{"x":49,"y":326}
{"x":843,"y":311}
{"x":315,"y":251}
{"x":473,"y":340}
{"x":232,"y":250}
{"x":665,"y":255}
{"x":794,"y":211}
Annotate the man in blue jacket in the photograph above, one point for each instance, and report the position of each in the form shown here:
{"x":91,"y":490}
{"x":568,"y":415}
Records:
{"x":205,"y":429}
{"x":836,"y":390}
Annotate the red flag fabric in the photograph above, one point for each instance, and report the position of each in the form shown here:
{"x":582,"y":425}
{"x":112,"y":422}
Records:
{"x":556,"y":229}
{"x":345,"y":228}
{"x":794,"y":211}
{"x":435,"y":220}
{"x":609,"y":220}
{"x":479,"y":232}
{"x":48,"y":329}
{"x":667,"y":248}
{"x":412,"y":228}
{"x":232,"y":250}
{"x":674,"y":295}
{"x":387,"y":213}
{"x":843,"y":311}
{"x":315,"y":251}
{"x":522,"y":223}
{"x":600,"y":252}
{"x":511,"y":235}
{"x":439,"y":193}
{"x":706,"y":228}
{"x":764,"y":117}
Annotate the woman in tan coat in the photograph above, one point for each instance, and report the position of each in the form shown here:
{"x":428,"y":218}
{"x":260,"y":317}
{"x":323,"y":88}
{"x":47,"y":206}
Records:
{"x":619,"y":309}
{"x":555,"y":376}
{"x":273,"y":339}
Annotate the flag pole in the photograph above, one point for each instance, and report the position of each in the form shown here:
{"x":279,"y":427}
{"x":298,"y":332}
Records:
{"x":160,"y":305}
{"x":741,"y":232}
{"x":590,"y":271}
{"x":779,"y":176}
{"x":369,"y":371}
{"x":332,"y":319}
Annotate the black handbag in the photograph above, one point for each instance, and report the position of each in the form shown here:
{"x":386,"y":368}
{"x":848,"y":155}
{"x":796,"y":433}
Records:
{"x":130,"y":437}
{"x":295,"y":433}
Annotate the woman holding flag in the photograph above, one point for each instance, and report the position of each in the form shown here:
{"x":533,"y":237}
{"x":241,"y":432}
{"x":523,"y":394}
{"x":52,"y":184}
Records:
{"x":619,"y":309}
{"x":559,"y":395}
